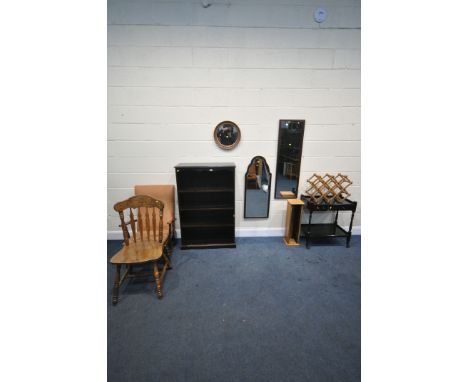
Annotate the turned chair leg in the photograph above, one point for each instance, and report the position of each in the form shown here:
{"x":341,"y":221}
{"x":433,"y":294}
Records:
{"x":170,"y":250}
{"x":166,"y":257}
{"x":172,"y":241}
{"x":171,"y":244}
{"x":115,"y":291}
{"x":158,"y":281}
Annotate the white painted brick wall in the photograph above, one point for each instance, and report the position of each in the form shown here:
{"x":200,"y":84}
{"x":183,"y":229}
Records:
{"x":176,"y":69}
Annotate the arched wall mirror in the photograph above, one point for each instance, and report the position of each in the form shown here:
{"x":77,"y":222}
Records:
{"x":257,"y":189}
{"x":288,"y":162}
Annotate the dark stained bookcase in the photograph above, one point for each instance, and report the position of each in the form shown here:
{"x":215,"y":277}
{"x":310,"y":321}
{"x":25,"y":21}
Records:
{"x":206,"y":204}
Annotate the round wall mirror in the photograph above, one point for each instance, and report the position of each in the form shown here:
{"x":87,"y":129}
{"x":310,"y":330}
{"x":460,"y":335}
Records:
{"x":227,"y":135}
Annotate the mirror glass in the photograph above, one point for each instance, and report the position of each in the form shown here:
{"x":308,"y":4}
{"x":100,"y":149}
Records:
{"x":288,"y":162}
{"x":257,"y":189}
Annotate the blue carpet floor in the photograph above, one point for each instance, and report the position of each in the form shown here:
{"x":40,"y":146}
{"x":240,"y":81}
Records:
{"x":259,"y":312}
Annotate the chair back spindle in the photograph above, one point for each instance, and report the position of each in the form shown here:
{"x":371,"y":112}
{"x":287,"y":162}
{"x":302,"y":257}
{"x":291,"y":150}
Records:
{"x":143,"y":203}
{"x":153,"y":222}
{"x":140,"y":223}
{"x":147,"y":223}
{"x":160,"y":226}
{"x":132,"y":225}
{"x":123,"y":225}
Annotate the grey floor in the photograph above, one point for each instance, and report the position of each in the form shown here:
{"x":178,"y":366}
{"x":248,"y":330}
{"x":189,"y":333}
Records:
{"x":259,"y":312}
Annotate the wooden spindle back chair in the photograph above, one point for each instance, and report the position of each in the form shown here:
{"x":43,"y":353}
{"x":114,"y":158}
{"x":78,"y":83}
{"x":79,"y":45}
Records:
{"x":144,"y":242}
{"x":166,"y":194}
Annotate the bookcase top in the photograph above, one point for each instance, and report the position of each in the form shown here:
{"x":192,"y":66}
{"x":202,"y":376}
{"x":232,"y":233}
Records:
{"x":211,"y":165}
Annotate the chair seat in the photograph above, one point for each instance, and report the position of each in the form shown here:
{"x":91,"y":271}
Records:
{"x":139,"y":252}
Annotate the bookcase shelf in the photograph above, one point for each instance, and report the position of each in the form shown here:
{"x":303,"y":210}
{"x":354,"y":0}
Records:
{"x":206,"y":204}
{"x":204,"y":189}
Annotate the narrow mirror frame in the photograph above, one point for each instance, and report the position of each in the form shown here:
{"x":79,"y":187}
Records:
{"x":302,"y":122}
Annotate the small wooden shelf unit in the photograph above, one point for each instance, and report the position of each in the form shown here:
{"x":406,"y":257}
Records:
{"x":293,"y":222}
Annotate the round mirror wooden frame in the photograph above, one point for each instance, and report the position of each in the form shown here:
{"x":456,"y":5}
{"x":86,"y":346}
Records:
{"x":227,"y":135}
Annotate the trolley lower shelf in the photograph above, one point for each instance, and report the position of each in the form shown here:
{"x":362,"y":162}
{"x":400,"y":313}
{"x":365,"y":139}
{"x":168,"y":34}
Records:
{"x":322,"y":231}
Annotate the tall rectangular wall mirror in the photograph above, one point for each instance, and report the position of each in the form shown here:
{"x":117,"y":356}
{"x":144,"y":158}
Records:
{"x":288,"y":161}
